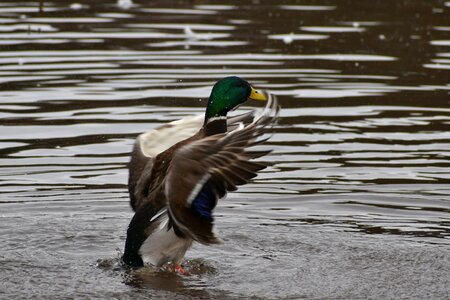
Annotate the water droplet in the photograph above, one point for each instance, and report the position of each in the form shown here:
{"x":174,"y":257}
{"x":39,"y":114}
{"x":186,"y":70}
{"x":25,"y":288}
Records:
{"x":125,"y":4}
{"x":76,"y":6}
{"x":288,"y":39}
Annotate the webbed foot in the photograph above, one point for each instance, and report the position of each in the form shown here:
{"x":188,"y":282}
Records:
{"x":178,"y":268}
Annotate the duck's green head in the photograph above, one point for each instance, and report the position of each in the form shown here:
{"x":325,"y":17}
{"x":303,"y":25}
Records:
{"x":227,"y":94}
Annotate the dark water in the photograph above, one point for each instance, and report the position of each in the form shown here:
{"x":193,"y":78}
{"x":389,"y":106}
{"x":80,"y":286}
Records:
{"x":355,"y":204}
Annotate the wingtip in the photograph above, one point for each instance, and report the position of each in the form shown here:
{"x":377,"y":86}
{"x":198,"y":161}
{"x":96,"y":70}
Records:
{"x":210,"y":240}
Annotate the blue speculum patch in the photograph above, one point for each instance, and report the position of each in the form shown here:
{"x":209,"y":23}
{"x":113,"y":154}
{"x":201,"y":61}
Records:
{"x":204,"y":202}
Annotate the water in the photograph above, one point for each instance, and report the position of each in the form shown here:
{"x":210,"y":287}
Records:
{"x":354,"y":205}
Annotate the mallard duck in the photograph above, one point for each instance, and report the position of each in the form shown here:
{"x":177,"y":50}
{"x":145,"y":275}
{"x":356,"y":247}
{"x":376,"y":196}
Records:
{"x":180,"y":170}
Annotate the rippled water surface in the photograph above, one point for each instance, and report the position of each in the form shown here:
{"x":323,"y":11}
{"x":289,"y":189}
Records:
{"x":355,"y":203}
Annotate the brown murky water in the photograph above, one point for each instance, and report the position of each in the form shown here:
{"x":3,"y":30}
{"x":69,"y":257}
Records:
{"x":355,"y":204}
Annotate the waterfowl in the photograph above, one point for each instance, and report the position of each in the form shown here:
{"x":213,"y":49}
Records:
{"x":179,"y":171}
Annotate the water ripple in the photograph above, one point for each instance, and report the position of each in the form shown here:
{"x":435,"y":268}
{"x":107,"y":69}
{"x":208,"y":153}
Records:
{"x":361,"y":149}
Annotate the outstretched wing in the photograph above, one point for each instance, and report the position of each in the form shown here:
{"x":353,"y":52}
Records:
{"x":147,"y":146}
{"x":203,"y":171}
{"x":151,"y":143}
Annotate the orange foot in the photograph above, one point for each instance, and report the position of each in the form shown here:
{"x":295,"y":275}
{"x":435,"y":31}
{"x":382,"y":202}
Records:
{"x":179,"y":268}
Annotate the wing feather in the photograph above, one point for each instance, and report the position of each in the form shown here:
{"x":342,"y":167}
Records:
{"x":153,"y":142}
{"x":225,"y":158}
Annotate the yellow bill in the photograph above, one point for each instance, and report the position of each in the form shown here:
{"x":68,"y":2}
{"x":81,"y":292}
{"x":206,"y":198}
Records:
{"x":257,"y":95}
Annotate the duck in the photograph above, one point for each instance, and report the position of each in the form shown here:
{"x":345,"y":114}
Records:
{"x":180,"y":170}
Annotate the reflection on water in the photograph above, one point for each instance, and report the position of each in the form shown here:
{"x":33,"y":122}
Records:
{"x":355,"y":202}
